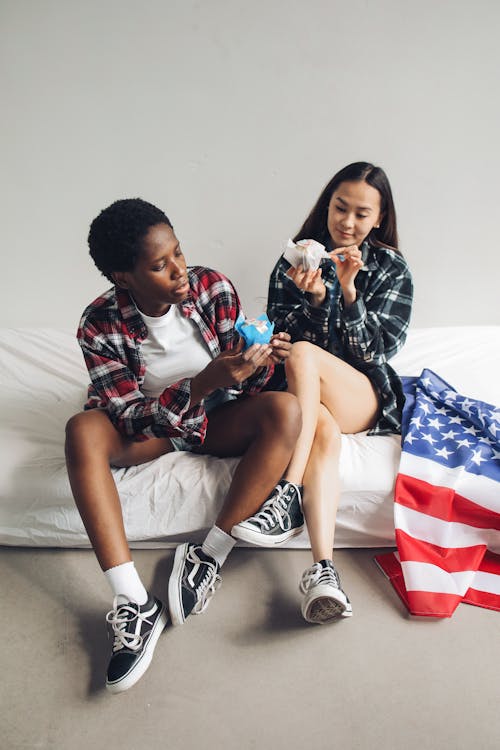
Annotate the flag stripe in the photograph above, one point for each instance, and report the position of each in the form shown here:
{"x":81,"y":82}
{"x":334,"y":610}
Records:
{"x":443,"y":533}
{"x":485,"y":591}
{"x":490,"y":563}
{"x":487,"y":582}
{"x":432,"y":604}
{"x":389,"y":564}
{"x":482,"y":599}
{"x":421,"y":603}
{"x":427,"y":577}
{"x":451,"y":559}
{"x":477,"y":488}
{"x":443,"y":502}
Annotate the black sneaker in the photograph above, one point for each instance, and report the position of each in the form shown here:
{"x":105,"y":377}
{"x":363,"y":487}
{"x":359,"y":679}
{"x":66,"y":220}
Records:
{"x":279,"y":519}
{"x":135,"y":630}
{"x":194,"y":580}
{"x":324,"y":599}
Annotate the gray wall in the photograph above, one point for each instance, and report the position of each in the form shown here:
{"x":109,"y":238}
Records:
{"x":232,"y":116}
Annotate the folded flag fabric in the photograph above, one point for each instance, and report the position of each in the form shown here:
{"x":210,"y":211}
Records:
{"x":446,"y":501}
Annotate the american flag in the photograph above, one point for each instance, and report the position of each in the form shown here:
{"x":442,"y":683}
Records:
{"x":447,"y":501}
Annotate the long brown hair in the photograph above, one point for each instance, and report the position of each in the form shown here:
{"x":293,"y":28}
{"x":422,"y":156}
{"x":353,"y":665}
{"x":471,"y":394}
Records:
{"x":315,"y":226}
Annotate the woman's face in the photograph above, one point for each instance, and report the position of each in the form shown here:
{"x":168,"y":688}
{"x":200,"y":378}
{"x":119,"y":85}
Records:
{"x":159,"y":278}
{"x":353,"y":211}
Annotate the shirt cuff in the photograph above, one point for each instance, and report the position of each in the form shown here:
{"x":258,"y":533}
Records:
{"x":355,"y":314}
{"x":317,"y":314}
{"x":175,"y":401}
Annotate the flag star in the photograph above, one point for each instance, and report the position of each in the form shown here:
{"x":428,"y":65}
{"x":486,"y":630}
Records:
{"x":468,"y":405}
{"x":464,"y":443}
{"x":455,"y":420}
{"x":424,"y":397}
{"x":427,"y":382}
{"x":450,"y":394}
{"x":494,"y":428}
{"x":436,"y":423}
{"x":428,"y":437}
{"x":495,"y":454}
{"x":441,"y":410}
{"x":477,"y":458}
{"x":449,"y":435}
{"x":410,"y":438}
{"x":425,"y":408}
{"x":417,"y":422}
{"x":471,"y":431}
{"x":443,"y":452}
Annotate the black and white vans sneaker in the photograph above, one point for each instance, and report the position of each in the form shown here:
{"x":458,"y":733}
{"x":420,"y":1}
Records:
{"x":279,"y":519}
{"x":324,"y":599}
{"x":135,"y":630}
{"x":194,"y":580}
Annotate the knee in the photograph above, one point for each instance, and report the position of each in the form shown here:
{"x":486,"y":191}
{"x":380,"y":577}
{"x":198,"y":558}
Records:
{"x":77,"y":435}
{"x":301,"y":355}
{"x":328,"y":436}
{"x":84,"y":434}
{"x":283,"y":414}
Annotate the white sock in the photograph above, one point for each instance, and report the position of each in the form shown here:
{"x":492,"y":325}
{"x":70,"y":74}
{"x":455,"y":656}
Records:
{"x":218,"y":544}
{"x":125,"y":580}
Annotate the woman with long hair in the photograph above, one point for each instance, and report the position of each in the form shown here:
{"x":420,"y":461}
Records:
{"x":346,"y":319}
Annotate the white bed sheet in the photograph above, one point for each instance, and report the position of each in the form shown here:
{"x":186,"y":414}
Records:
{"x":43,"y":382}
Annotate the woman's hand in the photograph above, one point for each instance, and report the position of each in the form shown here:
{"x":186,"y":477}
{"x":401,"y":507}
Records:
{"x":229,"y":368}
{"x":309,"y":281}
{"x":281,"y":347}
{"x":347,"y":269}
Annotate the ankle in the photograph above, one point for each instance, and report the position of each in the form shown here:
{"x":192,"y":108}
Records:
{"x":125,"y":581}
{"x":292,"y":479}
{"x":218,"y":544}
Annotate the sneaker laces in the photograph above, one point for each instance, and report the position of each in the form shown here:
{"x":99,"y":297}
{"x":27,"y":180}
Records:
{"x":274,"y":511}
{"x":120,"y":618}
{"x":208,"y":585}
{"x":317,"y":574}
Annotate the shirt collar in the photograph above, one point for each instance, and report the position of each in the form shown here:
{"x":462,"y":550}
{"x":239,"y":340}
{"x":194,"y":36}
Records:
{"x":130,"y":315}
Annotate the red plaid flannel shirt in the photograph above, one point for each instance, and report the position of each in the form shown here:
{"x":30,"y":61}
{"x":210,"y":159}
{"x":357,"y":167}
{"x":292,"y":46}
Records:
{"x":110,"y":334}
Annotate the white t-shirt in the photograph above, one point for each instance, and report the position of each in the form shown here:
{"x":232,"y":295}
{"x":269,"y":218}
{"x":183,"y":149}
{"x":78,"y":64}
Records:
{"x":174,"y":349}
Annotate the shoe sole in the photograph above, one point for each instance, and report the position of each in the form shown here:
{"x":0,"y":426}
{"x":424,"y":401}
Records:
{"x":264,"y":540}
{"x":324,"y":607}
{"x":174,"y":586}
{"x":141,"y":666}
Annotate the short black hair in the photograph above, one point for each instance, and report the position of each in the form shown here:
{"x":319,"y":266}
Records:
{"x":116,"y":235}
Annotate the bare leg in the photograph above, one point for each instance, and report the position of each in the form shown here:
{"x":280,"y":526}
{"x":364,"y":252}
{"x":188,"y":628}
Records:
{"x":92,"y":446}
{"x":350,"y":405}
{"x":263,"y":429}
{"x":304,"y":382}
{"x":321,"y":486}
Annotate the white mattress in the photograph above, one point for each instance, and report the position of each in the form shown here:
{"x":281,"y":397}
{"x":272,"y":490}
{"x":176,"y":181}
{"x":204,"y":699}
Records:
{"x":43,"y":382}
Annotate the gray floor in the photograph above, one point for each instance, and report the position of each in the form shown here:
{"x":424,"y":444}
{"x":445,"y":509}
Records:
{"x":248,"y":673}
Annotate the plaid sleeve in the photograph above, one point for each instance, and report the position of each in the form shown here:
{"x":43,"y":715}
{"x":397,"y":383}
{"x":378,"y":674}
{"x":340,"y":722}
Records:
{"x":115,"y":387}
{"x":221,"y":308}
{"x":290,"y":309}
{"x":374,"y":327}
